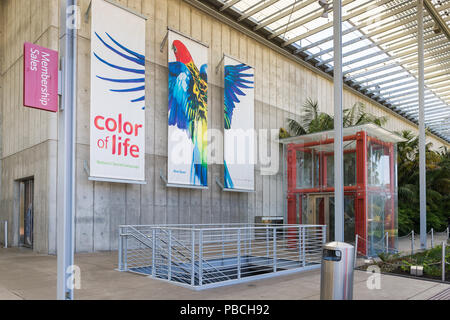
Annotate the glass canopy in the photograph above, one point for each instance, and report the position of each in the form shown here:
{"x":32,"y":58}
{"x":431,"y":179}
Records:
{"x":379,"y":47}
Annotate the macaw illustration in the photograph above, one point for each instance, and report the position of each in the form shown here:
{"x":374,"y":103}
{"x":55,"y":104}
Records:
{"x":137,"y":85}
{"x":188,"y":107}
{"x":235,"y":80}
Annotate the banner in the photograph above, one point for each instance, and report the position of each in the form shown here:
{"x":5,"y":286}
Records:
{"x":239,"y":128}
{"x":117,"y":123}
{"x":40,"y":77}
{"x":188,"y":111}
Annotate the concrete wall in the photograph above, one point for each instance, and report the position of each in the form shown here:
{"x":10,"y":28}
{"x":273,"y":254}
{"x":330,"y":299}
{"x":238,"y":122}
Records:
{"x":29,"y":137}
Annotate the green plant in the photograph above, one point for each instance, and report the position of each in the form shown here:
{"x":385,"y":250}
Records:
{"x":405,"y":266}
{"x":438,"y":185}
{"x":313,"y":120}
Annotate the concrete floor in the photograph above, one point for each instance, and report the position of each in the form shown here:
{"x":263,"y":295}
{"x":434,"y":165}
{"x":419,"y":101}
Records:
{"x":26,"y":275}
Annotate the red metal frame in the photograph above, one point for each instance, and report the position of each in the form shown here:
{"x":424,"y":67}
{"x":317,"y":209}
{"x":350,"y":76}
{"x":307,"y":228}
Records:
{"x":359,"y":191}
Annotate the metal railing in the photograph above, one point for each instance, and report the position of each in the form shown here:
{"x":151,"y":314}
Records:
{"x":204,"y":256}
{"x":407,"y":244}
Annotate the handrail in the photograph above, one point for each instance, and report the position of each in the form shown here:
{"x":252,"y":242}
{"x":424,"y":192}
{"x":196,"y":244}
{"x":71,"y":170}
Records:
{"x":196,"y":256}
{"x":179,"y":252}
{"x":250,"y":226}
{"x":201,"y":258}
{"x":161,"y":252}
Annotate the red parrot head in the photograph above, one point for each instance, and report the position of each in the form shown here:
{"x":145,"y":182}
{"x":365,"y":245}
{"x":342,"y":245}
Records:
{"x":181,"y":52}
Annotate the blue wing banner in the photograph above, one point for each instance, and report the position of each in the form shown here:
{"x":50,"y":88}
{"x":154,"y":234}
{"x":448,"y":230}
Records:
{"x":239,"y":129}
{"x":117,"y":110}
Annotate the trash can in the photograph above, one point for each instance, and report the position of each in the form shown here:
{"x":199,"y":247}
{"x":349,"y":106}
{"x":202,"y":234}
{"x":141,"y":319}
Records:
{"x":336,"y":279}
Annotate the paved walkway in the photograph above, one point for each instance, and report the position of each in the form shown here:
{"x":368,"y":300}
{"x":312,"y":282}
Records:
{"x":26,"y":275}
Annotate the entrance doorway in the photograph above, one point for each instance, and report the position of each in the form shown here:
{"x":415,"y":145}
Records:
{"x":26,"y":213}
{"x":320,"y":210}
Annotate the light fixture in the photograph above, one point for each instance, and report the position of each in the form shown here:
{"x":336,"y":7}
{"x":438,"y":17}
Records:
{"x":436,"y":29}
{"x":324,"y":4}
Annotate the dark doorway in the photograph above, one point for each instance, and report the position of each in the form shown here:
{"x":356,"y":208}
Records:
{"x":26,"y":213}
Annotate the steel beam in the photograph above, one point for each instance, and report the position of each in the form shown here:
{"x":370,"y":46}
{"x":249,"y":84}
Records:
{"x":307,"y":18}
{"x":375,"y":71}
{"x":258,"y":7}
{"x":409,"y":99}
{"x":279,"y":15}
{"x":338,"y":131}
{"x":329,"y":24}
{"x":437,"y":107}
{"x":415,"y":106}
{"x":437,"y":18}
{"x":229,"y":4}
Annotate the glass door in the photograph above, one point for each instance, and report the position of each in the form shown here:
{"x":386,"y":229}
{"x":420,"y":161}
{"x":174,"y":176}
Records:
{"x":26,"y":213}
{"x":320,"y":210}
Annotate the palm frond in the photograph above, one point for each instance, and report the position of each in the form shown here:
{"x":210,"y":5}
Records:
{"x":295,"y":128}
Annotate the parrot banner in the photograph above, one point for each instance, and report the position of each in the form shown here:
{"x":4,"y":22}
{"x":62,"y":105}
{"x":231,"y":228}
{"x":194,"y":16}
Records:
{"x":238,"y":125}
{"x":117,"y":118}
{"x":187,"y":111}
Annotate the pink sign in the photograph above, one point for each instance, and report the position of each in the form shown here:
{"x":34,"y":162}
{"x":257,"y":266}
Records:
{"x":40,"y":81}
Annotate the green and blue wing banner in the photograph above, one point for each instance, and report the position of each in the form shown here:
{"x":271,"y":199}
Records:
{"x":187,"y":111}
{"x":239,"y":130}
{"x":117,"y":115}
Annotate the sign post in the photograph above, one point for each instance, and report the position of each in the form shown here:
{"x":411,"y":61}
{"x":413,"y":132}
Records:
{"x":66,"y":154}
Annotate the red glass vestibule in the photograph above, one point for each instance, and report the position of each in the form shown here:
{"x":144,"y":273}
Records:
{"x":370,"y":185}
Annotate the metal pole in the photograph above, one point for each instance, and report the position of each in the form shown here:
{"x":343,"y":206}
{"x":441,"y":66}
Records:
{"x":386,"y":242}
{"x":66,"y":151}
{"x":412,"y":242}
{"x":5,"y":225}
{"x":239,"y":254}
{"x":250,"y":243}
{"x":125,"y":253}
{"x":432,"y":238}
{"x":300,"y":245}
{"x":154,"y":251}
{"x":223,"y":243}
{"x":338,"y":143}
{"x":120,"y":250}
{"x":422,"y":160}
{"x":356,"y":249}
{"x":200,"y":258}
{"x":443,"y":261}
{"x":274,"y":249}
{"x":193,"y":258}
{"x":169,"y":248}
{"x":304,"y":246}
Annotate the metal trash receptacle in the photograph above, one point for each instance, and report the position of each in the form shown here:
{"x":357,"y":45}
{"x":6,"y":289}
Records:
{"x":336,"y":279}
